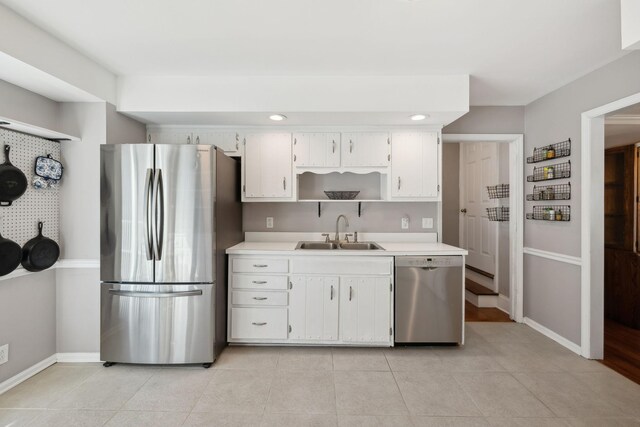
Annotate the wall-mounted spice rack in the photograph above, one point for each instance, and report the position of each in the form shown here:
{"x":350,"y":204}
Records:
{"x":550,"y":192}
{"x":550,"y":152}
{"x":551,"y":213}
{"x":500,"y":191}
{"x":551,"y":172}
{"x":499,"y":213}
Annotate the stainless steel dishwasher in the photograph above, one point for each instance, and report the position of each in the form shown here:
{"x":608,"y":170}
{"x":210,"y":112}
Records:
{"x":429,"y":300}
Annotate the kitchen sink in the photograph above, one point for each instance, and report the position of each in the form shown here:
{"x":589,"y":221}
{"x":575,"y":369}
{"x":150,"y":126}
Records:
{"x":363,"y":246}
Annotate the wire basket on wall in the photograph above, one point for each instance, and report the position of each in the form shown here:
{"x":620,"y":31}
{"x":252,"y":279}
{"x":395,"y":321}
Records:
{"x":547,"y":173}
{"x":550,"y":192}
{"x":549,"y":152}
{"x":551,"y":213}
{"x":499,"y":213}
{"x":500,"y":191}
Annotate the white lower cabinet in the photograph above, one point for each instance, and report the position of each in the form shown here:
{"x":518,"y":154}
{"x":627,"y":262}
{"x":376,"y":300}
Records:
{"x":259,"y":323}
{"x":365,"y":309}
{"x":313,"y":308}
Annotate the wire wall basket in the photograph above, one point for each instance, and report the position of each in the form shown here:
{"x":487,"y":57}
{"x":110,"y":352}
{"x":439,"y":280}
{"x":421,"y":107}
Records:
{"x":500,"y":191}
{"x":551,"y":213}
{"x":550,"y":192}
{"x":500,"y":214}
{"x":548,"y":173}
{"x":549,"y":152}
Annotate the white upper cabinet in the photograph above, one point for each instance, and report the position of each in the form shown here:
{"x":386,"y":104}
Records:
{"x":414,"y":165}
{"x":366,"y":149}
{"x":365,"y":309}
{"x":267,"y":171}
{"x":170,"y":136}
{"x":229,"y":142}
{"x":316,"y":150}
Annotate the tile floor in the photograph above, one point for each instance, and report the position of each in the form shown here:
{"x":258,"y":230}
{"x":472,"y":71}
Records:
{"x":506,"y":375}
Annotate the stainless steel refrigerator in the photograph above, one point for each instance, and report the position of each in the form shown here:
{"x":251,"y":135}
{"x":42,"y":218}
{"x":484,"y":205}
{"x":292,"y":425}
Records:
{"x":168,"y":212}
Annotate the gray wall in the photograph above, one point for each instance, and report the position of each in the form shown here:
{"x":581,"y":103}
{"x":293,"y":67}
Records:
{"x":28,"y":107}
{"x":551,"y":299}
{"x":122,"y":129}
{"x":451,"y":193}
{"x":376,"y":217}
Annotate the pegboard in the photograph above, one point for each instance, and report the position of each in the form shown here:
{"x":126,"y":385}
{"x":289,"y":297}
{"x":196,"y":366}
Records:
{"x":19,"y":222}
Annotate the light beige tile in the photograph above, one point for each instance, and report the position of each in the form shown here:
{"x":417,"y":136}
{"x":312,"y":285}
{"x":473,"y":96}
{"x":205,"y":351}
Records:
{"x":71,"y":417}
{"x":434,"y":394}
{"x":503,"y":331}
{"x":600,"y":422}
{"x":47,"y":386}
{"x":501,"y":395}
{"x":413,"y":359}
{"x":147,"y":419}
{"x":422,"y":421}
{"x":241,"y":357}
{"x":170,"y":390}
{"x":470,"y":363}
{"x":522,"y":357}
{"x":574,"y":363}
{"x":108,"y":389}
{"x":368,"y":393}
{"x":359,"y":359}
{"x":374,"y":421}
{"x":236,"y":391}
{"x":566,"y":396}
{"x":528,"y":422}
{"x":206,"y":419}
{"x":615,"y":389}
{"x":18,"y":417}
{"x":305,"y":392}
{"x":299,"y":420}
{"x":304,"y":359}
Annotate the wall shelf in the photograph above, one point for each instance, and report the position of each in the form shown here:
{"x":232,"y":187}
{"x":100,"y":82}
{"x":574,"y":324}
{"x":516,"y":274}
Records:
{"x":550,"y":192}
{"x":498,"y":214}
{"x":551,"y":152}
{"x":551,"y":172}
{"x":500,"y":191}
{"x":562,"y":213}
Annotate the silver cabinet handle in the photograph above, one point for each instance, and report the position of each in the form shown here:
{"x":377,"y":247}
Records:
{"x":188,"y":140}
{"x":259,"y":282}
{"x":259,"y":298}
{"x":137,"y":294}
{"x":331,"y":298}
{"x":295,"y":157}
{"x":149,"y":137}
{"x":158,"y":214}
{"x":333,"y":149}
{"x":284,"y":182}
{"x":350,"y":146}
{"x":399,"y":183}
{"x":237,"y":141}
{"x":350,"y":293}
{"x":147,"y":213}
{"x":260,"y":265}
{"x":198,"y":140}
{"x":259,"y":323}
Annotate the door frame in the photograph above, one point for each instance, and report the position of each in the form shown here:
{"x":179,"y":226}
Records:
{"x":592,"y":226}
{"x":516,"y":210}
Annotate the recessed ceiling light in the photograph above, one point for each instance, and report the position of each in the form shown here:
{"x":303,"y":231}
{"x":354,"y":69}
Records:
{"x":277,"y":117}
{"x":417,"y":117}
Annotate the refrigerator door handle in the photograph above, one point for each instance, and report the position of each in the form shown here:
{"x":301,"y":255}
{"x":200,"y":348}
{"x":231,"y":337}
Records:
{"x":139,"y":294}
{"x":158,"y":215}
{"x":147,"y":212}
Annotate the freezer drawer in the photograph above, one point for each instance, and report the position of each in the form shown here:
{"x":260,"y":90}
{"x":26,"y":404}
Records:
{"x":156,"y":324}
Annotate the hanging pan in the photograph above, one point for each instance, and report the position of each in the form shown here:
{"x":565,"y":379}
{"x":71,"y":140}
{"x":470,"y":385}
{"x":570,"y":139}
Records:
{"x":40,"y":252}
{"x":10,"y":255}
{"x":13,"y":182}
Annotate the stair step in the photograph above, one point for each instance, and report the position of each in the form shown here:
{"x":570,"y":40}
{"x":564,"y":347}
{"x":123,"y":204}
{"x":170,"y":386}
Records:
{"x":478,"y":289}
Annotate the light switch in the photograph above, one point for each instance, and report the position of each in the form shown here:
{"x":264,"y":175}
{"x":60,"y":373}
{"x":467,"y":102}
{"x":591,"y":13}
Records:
{"x":405,"y":223}
{"x":427,"y":222}
{"x":269,"y":222}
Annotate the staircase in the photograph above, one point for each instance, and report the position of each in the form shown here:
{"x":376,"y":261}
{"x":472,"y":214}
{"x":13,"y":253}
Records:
{"x":479,"y":295}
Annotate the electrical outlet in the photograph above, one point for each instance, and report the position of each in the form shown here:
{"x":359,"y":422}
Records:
{"x":4,"y":354}
{"x":269,"y":222}
{"x":427,"y":222}
{"x":405,"y":223}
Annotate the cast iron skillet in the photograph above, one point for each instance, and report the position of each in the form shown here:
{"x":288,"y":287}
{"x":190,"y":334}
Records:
{"x":40,"y":252}
{"x":10,"y":255}
{"x":13,"y":182}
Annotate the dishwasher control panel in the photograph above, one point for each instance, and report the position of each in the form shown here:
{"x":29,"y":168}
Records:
{"x":429,"y":261}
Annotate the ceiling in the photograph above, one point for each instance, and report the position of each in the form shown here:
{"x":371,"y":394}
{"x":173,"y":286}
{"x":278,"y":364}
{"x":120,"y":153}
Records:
{"x":514,"y":50}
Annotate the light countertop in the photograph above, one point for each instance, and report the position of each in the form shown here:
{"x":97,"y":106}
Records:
{"x":390,"y":249}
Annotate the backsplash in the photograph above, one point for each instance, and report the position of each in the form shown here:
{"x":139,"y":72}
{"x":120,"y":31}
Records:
{"x":303,"y":216}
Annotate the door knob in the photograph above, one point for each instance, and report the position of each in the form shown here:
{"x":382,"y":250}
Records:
{"x":463,"y":210}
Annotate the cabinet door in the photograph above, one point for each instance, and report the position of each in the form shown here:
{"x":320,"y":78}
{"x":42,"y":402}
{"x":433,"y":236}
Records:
{"x":366,"y":149}
{"x":365,"y":309}
{"x":268,"y":172}
{"x":229,"y":142}
{"x":316,"y":149}
{"x":313,"y":308}
{"x":414,"y":165}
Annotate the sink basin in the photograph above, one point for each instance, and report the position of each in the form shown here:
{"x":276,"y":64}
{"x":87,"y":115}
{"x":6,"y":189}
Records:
{"x":364,"y":246}
{"x":317,"y":245}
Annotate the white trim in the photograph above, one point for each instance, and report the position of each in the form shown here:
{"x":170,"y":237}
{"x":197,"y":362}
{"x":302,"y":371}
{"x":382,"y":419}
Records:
{"x":504,"y":303}
{"x":63,"y":263}
{"x":591,"y":235}
{"x":516,"y":211}
{"x":27,"y":373}
{"x":553,"y":256}
{"x":78,"y":357}
{"x":550,"y":334}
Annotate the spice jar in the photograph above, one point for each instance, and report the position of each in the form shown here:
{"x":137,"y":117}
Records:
{"x":550,"y":172}
{"x":551,"y":152}
{"x":558,"y":216}
{"x":551,"y":214}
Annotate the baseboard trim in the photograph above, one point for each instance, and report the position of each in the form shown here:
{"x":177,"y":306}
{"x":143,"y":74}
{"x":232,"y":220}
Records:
{"x":78,"y":357}
{"x":504,"y":303}
{"x":27,"y":373}
{"x":554,"y":336}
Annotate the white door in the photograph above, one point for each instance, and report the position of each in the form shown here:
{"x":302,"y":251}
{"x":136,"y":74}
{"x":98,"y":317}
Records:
{"x":267,"y":166}
{"x":316,"y":149}
{"x":365,"y":309}
{"x":414,"y":165}
{"x":366,"y":149}
{"x":478,"y":169}
{"x":313,"y":308}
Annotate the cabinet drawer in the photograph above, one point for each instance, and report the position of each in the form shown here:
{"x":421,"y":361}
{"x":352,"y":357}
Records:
{"x":257,"y":323}
{"x":258,"y":298}
{"x":256,"y":265}
{"x":259,"y":282}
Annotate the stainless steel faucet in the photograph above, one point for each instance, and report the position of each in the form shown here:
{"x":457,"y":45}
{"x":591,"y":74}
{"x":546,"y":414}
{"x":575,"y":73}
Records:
{"x":346,"y":224}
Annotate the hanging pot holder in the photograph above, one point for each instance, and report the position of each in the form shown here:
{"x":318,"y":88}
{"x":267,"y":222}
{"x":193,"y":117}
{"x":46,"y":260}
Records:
{"x":49,"y":168}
